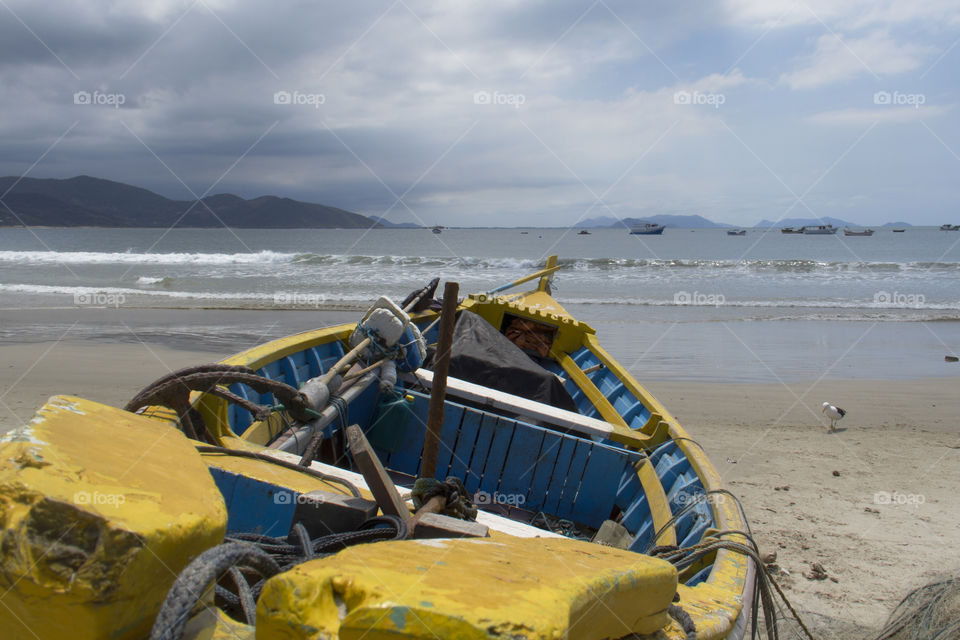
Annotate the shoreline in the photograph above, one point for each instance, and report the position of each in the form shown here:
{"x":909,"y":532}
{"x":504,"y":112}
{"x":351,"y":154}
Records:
{"x":890,"y":510}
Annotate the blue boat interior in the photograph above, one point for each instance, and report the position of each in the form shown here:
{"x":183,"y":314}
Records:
{"x":521,"y":469}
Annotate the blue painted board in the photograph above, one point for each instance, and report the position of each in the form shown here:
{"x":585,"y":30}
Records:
{"x":595,"y":499}
{"x":578,"y":463}
{"x":503,"y":434}
{"x":463,"y":448}
{"x":517,"y":475}
{"x":448,"y":437}
{"x":560,"y":475}
{"x":543,"y":472}
{"x":480,"y":453}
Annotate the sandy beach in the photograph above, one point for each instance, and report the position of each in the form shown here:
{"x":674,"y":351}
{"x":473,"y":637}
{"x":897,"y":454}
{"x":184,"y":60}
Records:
{"x":874,"y":503}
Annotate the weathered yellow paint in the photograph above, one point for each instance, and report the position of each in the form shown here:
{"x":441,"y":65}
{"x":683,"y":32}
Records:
{"x":211,"y":623}
{"x":594,"y":395}
{"x":469,"y":588}
{"x":101,"y":509}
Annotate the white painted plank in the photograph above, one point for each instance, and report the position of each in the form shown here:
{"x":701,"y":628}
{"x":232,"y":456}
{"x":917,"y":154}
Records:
{"x":522,"y":406}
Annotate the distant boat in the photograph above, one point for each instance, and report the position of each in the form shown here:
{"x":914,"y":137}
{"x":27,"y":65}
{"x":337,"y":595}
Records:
{"x":950,"y":227}
{"x":736,"y":232}
{"x":523,"y":233}
{"x":819,"y":230}
{"x":583,"y":232}
{"x":437,"y":229}
{"x":792,"y":230}
{"x":646,"y":229}
{"x":899,"y":230}
{"x":851,"y":232}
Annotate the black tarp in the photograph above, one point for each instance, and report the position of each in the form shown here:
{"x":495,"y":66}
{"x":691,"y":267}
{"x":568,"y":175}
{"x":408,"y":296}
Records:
{"x":482,"y":355}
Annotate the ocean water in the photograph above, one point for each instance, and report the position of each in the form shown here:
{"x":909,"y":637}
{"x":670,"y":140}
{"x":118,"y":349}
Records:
{"x":690,"y":304}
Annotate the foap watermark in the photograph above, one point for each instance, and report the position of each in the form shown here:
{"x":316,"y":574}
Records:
{"x":485,"y":498}
{"x":295,"y":299}
{"x":97,"y":498}
{"x":99,"y":299}
{"x":298,"y":99}
{"x":685,"y":498}
{"x":897,"y":299}
{"x":699,"y":98}
{"x":514,"y":100}
{"x":898,"y":498}
{"x":697,"y":299}
{"x":898,"y":99}
{"x":99,"y":99}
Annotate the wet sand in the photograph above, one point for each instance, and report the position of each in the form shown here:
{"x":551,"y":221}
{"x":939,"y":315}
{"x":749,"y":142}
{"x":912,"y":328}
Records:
{"x":876,"y":503}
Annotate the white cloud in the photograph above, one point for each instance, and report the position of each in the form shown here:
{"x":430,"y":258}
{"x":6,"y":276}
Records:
{"x":879,"y":114}
{"x":837,"y":59}
{"x":841,"y":14}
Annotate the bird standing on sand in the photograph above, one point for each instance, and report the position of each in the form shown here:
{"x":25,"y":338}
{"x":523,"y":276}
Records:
{"x":832,"y":412}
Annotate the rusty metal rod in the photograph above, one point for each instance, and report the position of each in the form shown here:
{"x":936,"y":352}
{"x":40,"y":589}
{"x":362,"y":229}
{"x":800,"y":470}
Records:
{"x":441,"y":365}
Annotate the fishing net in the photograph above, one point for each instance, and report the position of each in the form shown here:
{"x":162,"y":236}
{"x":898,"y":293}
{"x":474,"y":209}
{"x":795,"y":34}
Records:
{"x":931,"y":612}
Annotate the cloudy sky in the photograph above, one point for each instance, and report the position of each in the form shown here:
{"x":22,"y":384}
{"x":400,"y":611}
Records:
{"x":498,"y":112}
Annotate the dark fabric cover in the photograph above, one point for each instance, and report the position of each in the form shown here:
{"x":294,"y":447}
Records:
{"x":482,"y":355}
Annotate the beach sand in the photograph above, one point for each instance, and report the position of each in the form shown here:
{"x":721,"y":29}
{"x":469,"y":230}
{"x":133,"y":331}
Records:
{"x":876,"y":503}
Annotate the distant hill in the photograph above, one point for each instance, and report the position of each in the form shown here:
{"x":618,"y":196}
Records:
{"x":596,"y":223}
{"x":806,"y":222}
{"x":84,"y":201}
{"x":898,"y":224}
{"x":676,"y":221}
{"x":395,"y":225}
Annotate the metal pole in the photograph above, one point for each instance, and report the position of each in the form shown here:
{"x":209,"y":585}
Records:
{"x":441,"y":365}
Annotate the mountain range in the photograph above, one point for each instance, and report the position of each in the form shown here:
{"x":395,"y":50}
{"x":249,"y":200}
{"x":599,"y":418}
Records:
{"x":808,"y":222}
{"x":84,"y":201}
{"x":667,"y":220}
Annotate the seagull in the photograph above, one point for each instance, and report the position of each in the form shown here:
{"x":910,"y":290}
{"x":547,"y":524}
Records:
{"x":832,"y":412}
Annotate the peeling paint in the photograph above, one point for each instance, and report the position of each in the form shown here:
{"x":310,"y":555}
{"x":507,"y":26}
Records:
{"x":22,"y":434}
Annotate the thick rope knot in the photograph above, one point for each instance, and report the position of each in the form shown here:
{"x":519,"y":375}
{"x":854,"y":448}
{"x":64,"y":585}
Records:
{"x":452,"y":489}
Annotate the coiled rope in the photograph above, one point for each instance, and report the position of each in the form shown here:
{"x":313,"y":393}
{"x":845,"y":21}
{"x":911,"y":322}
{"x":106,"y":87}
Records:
{"x":263,"y":555}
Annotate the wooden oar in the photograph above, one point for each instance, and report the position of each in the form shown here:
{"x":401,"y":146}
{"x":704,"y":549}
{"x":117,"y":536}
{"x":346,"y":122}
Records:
{"x":532,"y":276}
{"x":441,"y":365}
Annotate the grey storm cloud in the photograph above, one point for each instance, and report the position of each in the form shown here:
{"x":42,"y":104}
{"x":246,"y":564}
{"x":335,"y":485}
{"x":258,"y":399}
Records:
{"x":535,"y":112}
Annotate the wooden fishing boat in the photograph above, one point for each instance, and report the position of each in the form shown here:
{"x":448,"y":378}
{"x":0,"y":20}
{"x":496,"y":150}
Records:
{"x":599,"y":515}
{"x":647,"y":229}
{"x":819,"y":230}
{"x":853,"y":232}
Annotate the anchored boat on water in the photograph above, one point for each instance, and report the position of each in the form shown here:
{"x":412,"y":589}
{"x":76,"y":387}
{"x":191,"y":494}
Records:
{"x":268,"y":495}
{"x":647,"y":229}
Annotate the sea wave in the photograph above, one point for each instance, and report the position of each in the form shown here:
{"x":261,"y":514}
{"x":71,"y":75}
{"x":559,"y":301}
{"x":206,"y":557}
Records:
{"x":473,"y":263}
{"x":277,"y":299}
{"x":130,"y":257}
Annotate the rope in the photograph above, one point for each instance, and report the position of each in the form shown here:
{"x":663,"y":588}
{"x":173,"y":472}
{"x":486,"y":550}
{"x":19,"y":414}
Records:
{"x":458,"y":504}
{"x":205,"y":569}
{"x":299,"y":547}
{"x":263,"y":555}
{"x":689,"y":555}
{"x":684,"y":620}
{"x":173,"y":391}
